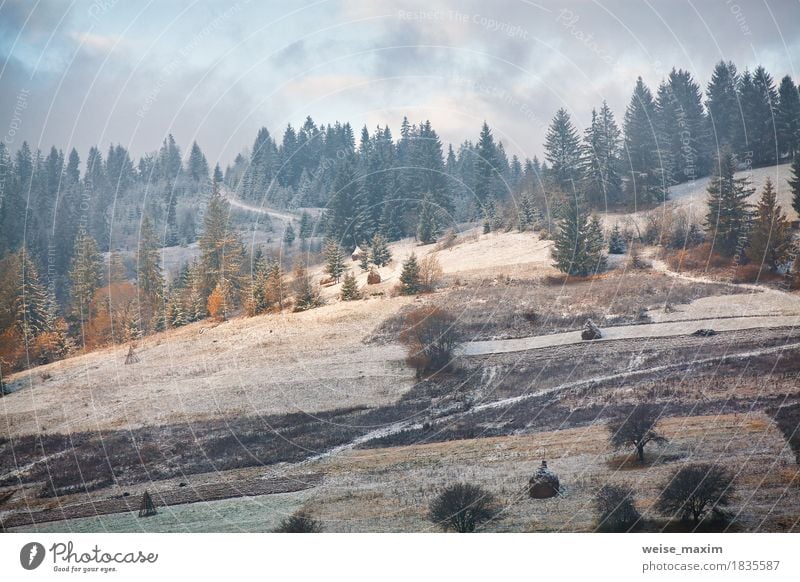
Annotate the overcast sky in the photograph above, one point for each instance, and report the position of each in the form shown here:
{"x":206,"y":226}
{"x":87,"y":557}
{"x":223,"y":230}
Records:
{"x":80,"y":73}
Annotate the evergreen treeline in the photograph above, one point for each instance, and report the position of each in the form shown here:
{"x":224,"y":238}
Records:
{"x":57,"y":221}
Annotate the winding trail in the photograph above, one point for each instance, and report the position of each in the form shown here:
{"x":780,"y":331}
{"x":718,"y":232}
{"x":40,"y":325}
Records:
{"x":272,"y":213}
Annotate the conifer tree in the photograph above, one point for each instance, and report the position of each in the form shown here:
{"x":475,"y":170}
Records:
{"x":305,"y":225}
{"x":410,"y":276}
{"x":32,"y":307}
{"x":723,"y":105}
{"x":149,"y":279}
{"x":486,"y":166}
{"x":379,"y":253}
{"x":562,"y":150}
{"x":426,"y":229}
{"x":770,"y":241}
{"x":350,"y":290}
{"x":578,"y":248}
{"x":288,"y":234}
{"x":616,"y":241}
{"x":345,"y":210}
{"x":171,"y":235}
{"x":759,"y":100}
{"x":600,"y":159}
{"x":363,"y":261}
{"x":334,"y":260}
{"x":256,"y":302}
{"x":85,"y":276}
{"x":794,"y":183}
{"x":787,"y":118}
{"x":220,"y":249}
{"x":198,"y":166}
{"x":641,"y":148}
{"x":728,"y":217}
{"x":275,"y":286}
{"x":305,"y":294}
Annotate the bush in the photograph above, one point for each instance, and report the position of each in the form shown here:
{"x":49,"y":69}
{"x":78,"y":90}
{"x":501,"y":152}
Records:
{"x":616,"y":509}
{"x":299,"y":522}
{"x":430,"y":273}
{"x":431,"y":336}
{"x":462,"y":507}
{"x":695,"y":491}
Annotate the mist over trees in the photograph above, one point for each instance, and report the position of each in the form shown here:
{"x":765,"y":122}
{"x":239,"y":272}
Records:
{"x":77,"y":230}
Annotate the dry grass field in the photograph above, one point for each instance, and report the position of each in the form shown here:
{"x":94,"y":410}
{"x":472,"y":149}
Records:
{"x":212,"y":409}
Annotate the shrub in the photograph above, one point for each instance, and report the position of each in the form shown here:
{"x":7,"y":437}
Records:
{"x":216,"y":303}
{"x":462,"y":507}
{"x":300,"y":521}
{"x":431,"y":336}
{"x":616,"y":509}
{"x":696,"y":490}
{"x":430,"y":273}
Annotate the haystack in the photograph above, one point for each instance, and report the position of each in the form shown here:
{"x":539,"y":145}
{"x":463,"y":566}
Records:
{"x":373,"y":277}
{"x":131,"y":358}
{"x":544,"y":483}
{"x":590,"y":331}
{"x":147,"y":508}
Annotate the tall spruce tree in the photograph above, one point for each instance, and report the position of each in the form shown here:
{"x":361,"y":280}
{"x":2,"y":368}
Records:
{"x":410,"y":276}
{"x":346,"y":210}
{"x":484,"y":164}
{"x":220,"y":250}
{"x":426,"y":229}
{"x":722,"y":104}
{"x":787,"y":118}
{"x":759,"y":101}
{"x":150,"y":281}
{"x":770,"y":241}
{"x":334,"y":259}
{"x":794,"y":183}
{"x":85,"y":275}
{"x":32,"y":306}
{"x":562,"y":150}
{"x":600,"y":161}
{"x":646,"y":182}
{"x":728,"y":217}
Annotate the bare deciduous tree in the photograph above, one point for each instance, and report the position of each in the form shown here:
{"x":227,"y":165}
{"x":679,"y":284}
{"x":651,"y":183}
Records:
{"x":695,"y":490}
{"x":636,"y":429}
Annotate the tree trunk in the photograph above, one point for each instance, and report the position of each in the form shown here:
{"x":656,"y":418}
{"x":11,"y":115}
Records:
{"x":640,"y":452}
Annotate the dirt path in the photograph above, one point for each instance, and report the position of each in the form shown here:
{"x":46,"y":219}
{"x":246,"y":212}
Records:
{"x":285,"y":216}
{"x":648,"y":330}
